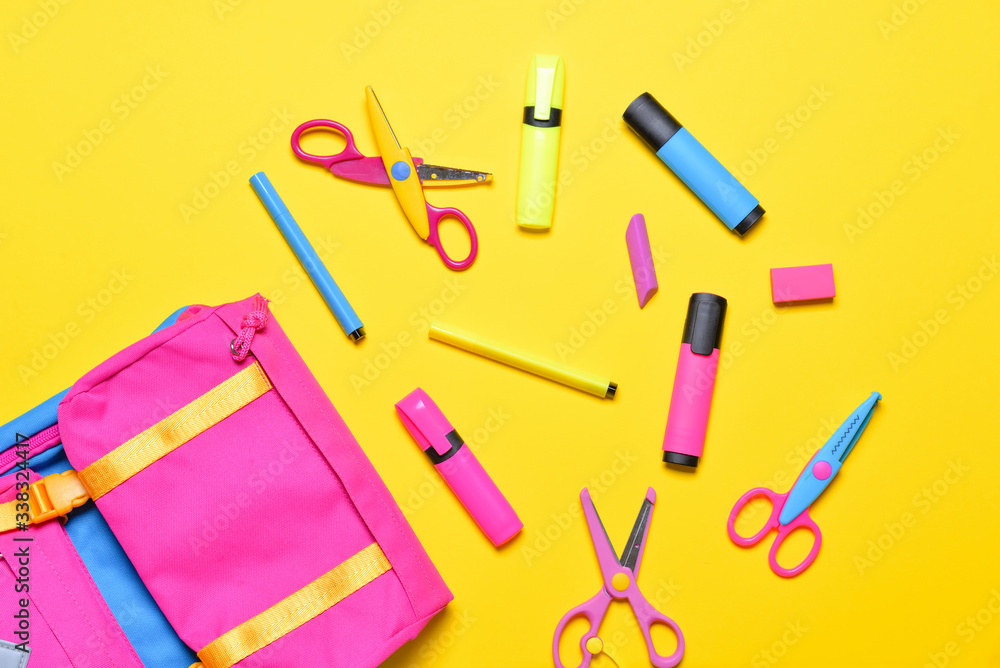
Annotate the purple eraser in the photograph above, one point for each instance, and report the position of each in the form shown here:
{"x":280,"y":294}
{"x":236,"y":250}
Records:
{"x":798,"y":284}
{"x":641,"y":258}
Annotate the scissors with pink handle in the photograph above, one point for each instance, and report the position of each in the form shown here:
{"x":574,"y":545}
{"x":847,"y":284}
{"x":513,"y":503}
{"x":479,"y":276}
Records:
{"x":406,"y":175}
{"x":619,"y":576}
{"x":789,"y":511}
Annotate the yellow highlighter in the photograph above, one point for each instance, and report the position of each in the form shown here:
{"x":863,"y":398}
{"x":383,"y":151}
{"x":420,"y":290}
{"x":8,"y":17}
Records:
{"x":542,"y":126}
{"x":599,"y":386}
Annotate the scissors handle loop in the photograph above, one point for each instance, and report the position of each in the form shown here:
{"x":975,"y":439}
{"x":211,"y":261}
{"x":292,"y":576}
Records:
{"x":772,"y":521}
{"x":647,"y":616}
{"x":434,"y":217}
{"x":594,"y":611}
{"x":803,"y":521}
{"x":350,"y":151}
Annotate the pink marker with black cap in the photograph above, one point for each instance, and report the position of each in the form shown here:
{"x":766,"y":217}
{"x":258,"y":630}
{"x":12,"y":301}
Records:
{"x":694,"y":381}
{"x":458,"y":466}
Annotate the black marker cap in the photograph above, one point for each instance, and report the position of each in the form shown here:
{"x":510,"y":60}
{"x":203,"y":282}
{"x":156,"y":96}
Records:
{"x":703,"y":324}
{"x":749,"y":221}
{"x":651,"y":121}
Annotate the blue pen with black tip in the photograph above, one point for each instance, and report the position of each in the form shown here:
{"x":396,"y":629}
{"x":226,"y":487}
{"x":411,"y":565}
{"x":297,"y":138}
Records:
{"x":332,"y":295}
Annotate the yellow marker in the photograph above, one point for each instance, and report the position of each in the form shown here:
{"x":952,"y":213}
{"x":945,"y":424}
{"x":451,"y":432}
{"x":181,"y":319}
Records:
{"x":599,"y":386}
{"x":536,"y":181}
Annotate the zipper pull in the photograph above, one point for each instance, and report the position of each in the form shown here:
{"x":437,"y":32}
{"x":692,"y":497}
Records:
{"x":252,"y":322}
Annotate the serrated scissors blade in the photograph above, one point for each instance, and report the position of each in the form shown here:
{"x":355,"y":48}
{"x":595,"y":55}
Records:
{"x":431,"y":175}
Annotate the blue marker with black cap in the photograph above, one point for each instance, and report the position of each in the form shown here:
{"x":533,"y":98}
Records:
{"x":696,"y":167}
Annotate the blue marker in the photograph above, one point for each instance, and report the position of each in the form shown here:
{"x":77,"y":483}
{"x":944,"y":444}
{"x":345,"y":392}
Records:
{"x":321,"y":278}
{"x":696,"y":167}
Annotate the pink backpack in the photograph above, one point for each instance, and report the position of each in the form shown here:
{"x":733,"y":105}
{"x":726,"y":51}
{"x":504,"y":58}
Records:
{"x":241,"y":498}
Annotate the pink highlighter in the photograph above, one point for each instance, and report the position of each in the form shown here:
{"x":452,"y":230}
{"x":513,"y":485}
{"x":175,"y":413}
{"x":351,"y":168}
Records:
{"x":694,"y":382}
{"x":458,"y":466}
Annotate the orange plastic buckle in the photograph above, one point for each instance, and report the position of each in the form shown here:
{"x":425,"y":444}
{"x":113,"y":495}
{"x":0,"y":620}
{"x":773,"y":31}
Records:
{"x":55,"y":495}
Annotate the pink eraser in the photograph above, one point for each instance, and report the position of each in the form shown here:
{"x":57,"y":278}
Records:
{"x":641,"y":258}
{"x":797,"y":284}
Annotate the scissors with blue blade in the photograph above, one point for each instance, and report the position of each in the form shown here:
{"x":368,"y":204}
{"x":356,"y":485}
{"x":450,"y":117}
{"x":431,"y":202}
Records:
{"x":789,"y":511}
{"x":619,"y":583}
{"x":406,"y":175}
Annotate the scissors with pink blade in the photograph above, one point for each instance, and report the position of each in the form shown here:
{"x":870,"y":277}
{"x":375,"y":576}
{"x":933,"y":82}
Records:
{"x":619,"y":582}
{"x":790,"y":511}
{"x":406,"y":175}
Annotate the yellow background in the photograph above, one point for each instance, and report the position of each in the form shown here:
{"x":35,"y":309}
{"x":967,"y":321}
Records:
{"x":228,"y":70}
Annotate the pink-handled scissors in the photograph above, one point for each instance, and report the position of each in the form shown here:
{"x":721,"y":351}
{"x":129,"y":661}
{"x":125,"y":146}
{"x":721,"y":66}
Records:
{"x":790,"y":511}
{"x":619,"y":576}
{"x":406,"y":175}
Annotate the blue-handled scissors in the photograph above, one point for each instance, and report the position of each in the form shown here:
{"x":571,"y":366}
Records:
{"x":789,"y":511}
{"x":406,"y":175}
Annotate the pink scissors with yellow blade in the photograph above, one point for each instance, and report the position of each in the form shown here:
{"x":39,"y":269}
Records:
{"x":406,"y":175}
{"x":619,"y":575}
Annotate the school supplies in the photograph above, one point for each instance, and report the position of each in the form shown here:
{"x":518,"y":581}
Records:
{"x":695,"y":166}
{"x":694,"y":380}
{"x":458,"y":466}
{"x":798,"y":284}
{"x":183,"y":441}
{"x":640,"y":256}
{"x":540,"y":131}
{"x":331,"y":293}
{"x":599,"y":386}
{"x":618,"y":583}
{"x":398,"y":169}
{"x":789,"y":511}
